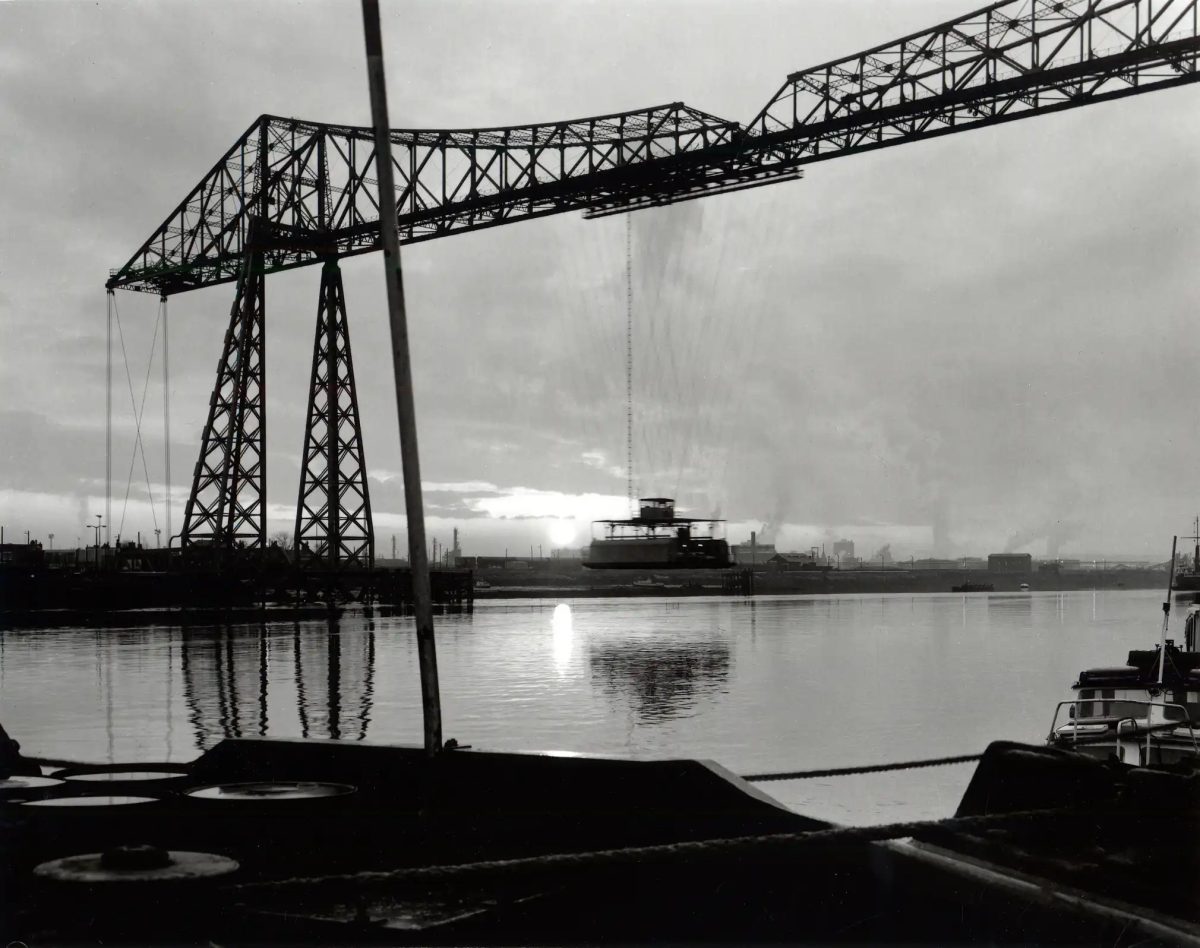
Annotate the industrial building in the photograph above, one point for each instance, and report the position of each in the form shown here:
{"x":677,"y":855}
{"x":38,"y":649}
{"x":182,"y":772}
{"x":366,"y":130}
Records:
{"x":1010,"y":562}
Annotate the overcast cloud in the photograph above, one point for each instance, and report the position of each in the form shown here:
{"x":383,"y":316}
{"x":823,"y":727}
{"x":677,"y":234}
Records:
{"x":945,"y":346}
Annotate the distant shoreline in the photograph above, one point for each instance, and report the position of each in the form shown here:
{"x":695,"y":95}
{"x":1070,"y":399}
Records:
{"x":503,"y":584}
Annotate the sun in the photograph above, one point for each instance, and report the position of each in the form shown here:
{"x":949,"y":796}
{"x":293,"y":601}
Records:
{"x":562,"y":532}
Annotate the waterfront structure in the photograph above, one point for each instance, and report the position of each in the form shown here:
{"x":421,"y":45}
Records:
{"x":1010,"y":562}
{"x":292,"y":193}
{"x":786,"y":562}
{"x":752,"y":554}
{"x":930,"y":563}
{"x":658,"y":539}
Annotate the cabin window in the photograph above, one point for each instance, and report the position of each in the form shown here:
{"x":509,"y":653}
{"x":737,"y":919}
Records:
{"x":1176,"y":714}
{"x":1124,"y":709}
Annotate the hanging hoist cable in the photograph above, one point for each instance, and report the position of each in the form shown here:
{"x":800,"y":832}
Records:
{"x":629,"y":362}
{"x":137,"y":418}
{"x":593,"y":287}
{"x":751,"y":298}
{"x":110,"y":302}
{"x":166,"y":383}
{"x":700,"y":338}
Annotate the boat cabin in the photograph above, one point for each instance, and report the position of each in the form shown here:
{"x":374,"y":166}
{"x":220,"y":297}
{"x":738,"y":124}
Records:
{"x":657,"y":539}
{"x":1126,"y":711}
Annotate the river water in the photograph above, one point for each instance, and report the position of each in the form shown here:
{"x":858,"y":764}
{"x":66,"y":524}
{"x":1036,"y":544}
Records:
{"x":768,"y":684}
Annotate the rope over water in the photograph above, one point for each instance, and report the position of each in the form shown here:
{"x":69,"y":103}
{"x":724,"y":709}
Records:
{"x":867,"y":769}
{"x":808,"y":774}
{"x":603,"y":858}
{"x":1131,"y":735}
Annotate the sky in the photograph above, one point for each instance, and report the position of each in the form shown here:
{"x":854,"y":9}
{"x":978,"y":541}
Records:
{"x":955,"y":347}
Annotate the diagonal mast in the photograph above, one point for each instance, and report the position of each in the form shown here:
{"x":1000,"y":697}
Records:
{"x":402,"y":367}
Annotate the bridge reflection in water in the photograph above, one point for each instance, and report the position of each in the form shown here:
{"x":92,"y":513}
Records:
{"x":246,"y":682}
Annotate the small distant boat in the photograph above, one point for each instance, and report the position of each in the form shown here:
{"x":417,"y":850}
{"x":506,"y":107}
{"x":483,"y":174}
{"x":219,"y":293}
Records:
{"x":1187,"y":581}
{"x":1024,"y":587}
{"x":973,"y":588}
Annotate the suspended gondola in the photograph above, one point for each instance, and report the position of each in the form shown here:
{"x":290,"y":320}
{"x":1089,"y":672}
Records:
{"x":657,"y":539}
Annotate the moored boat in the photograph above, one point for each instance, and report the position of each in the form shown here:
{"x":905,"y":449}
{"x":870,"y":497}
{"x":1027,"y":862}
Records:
{"x":1143,"y":713}
{"x":968,"y":587}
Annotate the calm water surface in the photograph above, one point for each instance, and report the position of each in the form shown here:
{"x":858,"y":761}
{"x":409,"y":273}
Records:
{"x":782,"y":683}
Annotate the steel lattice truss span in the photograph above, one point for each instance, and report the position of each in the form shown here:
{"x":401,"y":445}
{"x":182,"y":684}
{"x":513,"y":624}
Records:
{"x":1007,"y":61}
{"x":313,"y":190}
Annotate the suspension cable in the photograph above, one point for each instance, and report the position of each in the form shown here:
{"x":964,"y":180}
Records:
{"x":166,"y":382}
{"x":137,"y":418}
{"x":629,"y":361}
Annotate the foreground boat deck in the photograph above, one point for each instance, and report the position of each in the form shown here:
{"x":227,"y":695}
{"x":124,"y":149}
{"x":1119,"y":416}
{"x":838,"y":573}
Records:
{"x":344,"y":842}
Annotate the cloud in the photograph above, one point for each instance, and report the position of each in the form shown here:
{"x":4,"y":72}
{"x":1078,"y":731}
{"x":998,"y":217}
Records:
{"x":521,"y":503}
{"x":464,"y":487}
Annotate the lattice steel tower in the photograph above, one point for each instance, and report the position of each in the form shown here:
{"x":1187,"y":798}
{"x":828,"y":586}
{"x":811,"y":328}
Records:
{"x":228,"y":503}
{"x":333,"y":512}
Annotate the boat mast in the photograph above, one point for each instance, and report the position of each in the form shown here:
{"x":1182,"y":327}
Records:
{"x":402,"y":368}
{"x":1196,"y":551}
{"x":1162,"y":644}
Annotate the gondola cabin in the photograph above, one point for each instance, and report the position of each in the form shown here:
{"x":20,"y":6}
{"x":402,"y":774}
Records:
{"x":657,"y":539}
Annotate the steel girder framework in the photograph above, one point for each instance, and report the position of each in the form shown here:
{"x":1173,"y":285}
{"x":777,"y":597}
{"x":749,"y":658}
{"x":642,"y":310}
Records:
{"x":227,"y":506}
{"x":1007,"y":61}
{"x":333,"y":512}
{"x":313,"y":185}
{"x":313,"y":190}
{"x":291,"y":193}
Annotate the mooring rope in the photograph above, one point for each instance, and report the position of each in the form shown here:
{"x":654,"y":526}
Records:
{"x":829,"y":772}
{"x":604,"y":858}
{"x":866,"y":769}
{"x":1064,"y":744}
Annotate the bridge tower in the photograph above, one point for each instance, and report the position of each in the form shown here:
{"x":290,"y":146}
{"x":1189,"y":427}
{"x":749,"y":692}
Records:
{"x":227,"y":506}
{"x":333,"y":511}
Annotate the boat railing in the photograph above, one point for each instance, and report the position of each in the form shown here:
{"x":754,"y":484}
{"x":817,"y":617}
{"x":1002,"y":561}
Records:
{"x":1132,"y":722}
{"x":1086,"y":730}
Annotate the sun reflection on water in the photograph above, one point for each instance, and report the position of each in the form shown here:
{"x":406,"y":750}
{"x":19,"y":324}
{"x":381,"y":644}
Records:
{"x":562,"y":626}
